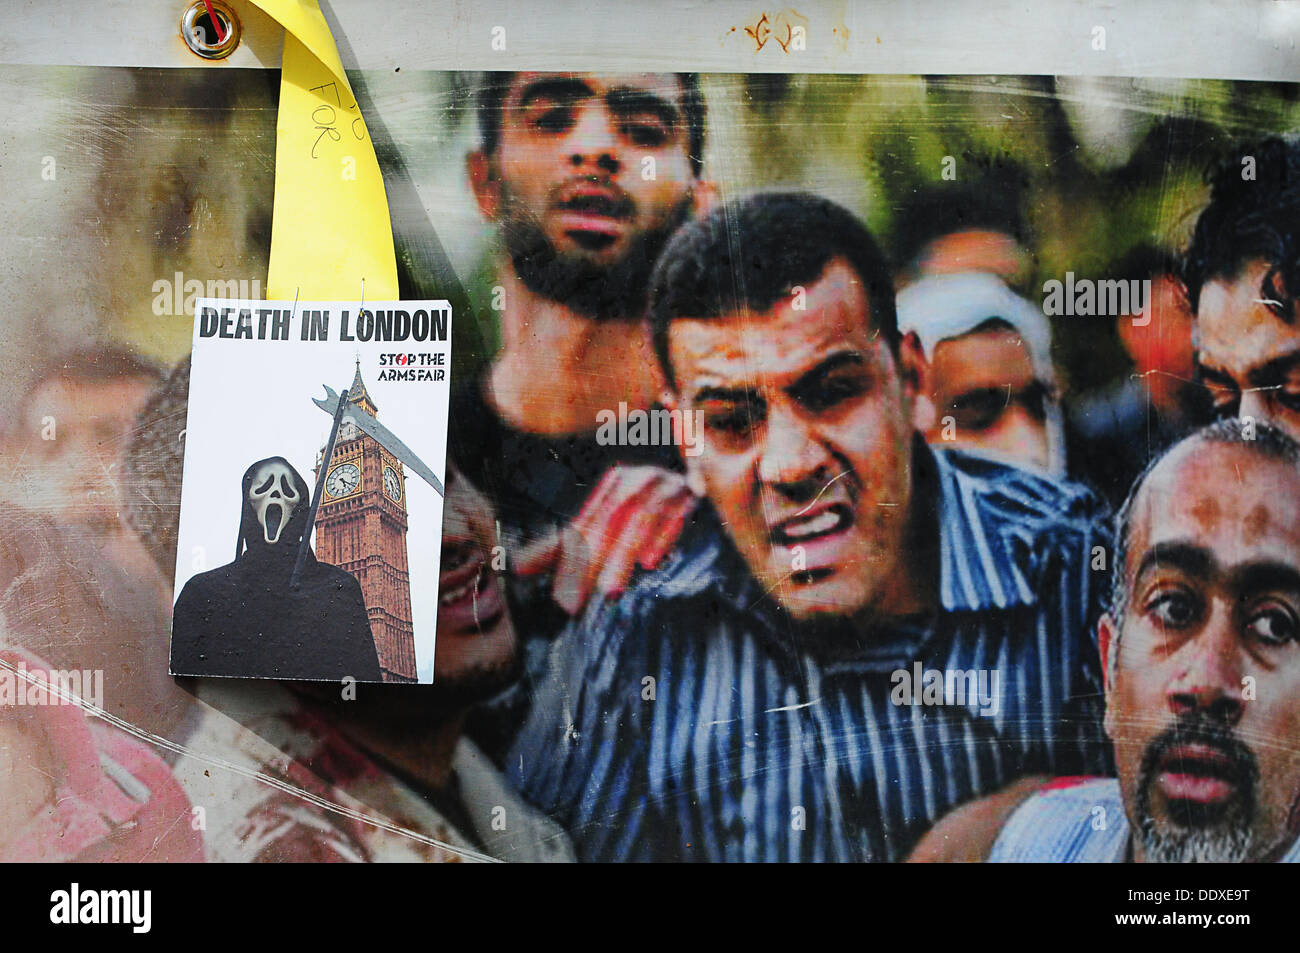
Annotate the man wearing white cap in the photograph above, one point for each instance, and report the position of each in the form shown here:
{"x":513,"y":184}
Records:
{"x":995,"y":388}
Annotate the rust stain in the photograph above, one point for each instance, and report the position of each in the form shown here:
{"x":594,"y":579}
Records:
{"x":760,"y":32}
{"x":780,"y":28}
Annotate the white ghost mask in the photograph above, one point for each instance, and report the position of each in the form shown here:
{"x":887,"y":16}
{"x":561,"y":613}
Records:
{"x":273,"y":496}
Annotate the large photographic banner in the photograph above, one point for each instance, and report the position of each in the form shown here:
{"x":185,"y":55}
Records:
{"x":855,"y":441}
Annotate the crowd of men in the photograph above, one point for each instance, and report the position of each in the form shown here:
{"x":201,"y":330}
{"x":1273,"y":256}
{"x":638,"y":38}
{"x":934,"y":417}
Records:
{"x":898,"y":612}
{"x":898,"y":595}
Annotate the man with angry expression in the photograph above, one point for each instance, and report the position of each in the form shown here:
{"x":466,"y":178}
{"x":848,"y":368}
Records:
{"x":745,"y":701}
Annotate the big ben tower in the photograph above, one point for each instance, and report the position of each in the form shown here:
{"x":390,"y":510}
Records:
{"x":361,"y":527}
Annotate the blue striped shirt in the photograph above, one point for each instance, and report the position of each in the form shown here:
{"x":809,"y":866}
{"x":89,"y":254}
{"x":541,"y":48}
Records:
{"x":1076,"y":821}
{"x":692,"y":719}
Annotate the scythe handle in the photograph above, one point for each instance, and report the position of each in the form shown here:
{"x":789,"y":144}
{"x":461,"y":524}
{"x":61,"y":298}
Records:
{"x":305,"y":544}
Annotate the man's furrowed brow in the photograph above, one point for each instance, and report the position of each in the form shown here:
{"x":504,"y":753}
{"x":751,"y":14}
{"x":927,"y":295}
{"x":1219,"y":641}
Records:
{"x":565,"y":89}
{"x":628,"y":100}
{"x":1206,"y":367}
{"x":1275,"y":370}
{"x":1185,"y":556}
{"x":829,"y":365}
{"x":730,"y":395}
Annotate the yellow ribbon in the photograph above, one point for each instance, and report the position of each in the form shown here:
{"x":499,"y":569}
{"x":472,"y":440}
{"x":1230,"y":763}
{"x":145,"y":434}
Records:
{"x":331,"y":236}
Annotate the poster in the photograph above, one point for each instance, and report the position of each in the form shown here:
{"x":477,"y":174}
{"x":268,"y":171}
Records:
{"x":842,"y":366}
{"x":378,"y":501}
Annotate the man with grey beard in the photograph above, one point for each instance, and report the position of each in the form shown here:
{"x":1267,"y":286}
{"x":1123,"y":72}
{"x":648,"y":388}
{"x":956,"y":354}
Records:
{"x":1202,"y":657}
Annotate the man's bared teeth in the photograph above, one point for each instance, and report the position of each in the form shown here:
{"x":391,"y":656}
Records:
{"x":823,"y":522}
{"x":453,"y":595}
{"x":449,"y":596}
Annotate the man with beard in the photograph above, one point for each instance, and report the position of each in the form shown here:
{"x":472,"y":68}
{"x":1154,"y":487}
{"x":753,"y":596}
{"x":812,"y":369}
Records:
{"x":1202,"y":655}
{"x":74,"y":576}
{"x":70,"y":431}
{"x":586,"y":176}
{"x":746,"y":700}
{"x":248,"y":619}
{"x":65,"y":444}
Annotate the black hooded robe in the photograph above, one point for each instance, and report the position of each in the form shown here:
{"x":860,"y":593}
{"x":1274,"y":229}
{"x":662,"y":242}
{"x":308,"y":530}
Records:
{"x":242,"y":619}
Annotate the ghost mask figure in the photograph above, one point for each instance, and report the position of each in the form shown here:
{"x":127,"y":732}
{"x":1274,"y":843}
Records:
{"x":276,"y":499}
{"x":246,"y":619}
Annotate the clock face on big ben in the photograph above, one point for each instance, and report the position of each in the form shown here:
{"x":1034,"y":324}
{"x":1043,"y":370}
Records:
{"x":343,"y":479}
{"x":392,"y":485}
